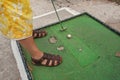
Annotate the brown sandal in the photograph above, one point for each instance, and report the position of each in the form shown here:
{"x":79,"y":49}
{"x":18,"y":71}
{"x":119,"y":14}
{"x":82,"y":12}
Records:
{"x":50,"y":60}
{"x":39,"y":33}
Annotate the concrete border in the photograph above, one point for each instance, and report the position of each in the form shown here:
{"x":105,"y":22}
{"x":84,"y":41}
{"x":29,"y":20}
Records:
{"x":15,"y":49}
{"x":20,"y":65}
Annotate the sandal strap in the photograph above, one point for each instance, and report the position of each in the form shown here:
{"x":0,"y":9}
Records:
{"x":39,"y":33}
{"x":48,"y":57}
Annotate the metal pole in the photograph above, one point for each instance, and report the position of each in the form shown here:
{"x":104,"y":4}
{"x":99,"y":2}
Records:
{"x":57,"y":15}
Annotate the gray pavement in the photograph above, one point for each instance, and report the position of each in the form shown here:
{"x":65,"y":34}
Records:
{"x":8,"y":67}
{"x":107,"y":12}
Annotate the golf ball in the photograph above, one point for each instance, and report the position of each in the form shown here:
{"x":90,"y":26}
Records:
{"x":69,"y":36}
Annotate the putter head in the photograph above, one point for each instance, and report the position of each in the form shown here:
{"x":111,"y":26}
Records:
{"x":63,"y":29}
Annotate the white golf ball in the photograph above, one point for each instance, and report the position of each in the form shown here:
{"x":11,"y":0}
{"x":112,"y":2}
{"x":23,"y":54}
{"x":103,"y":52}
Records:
{"x":69,"y":36}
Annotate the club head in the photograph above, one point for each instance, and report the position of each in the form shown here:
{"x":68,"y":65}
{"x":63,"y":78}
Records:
{"x":63,"y":29}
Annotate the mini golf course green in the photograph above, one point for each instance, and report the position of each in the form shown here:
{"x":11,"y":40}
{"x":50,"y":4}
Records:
{"x":88,"y":55}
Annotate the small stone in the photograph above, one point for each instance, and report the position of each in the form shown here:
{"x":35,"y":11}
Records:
{"x":60,"y":48}
{"x":53,"y":39}
{"x":80,"y":49}
{"x":117,"y":54}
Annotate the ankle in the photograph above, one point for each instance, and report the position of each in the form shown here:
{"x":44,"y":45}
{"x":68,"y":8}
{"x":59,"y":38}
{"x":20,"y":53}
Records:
{"x":37,"y":55}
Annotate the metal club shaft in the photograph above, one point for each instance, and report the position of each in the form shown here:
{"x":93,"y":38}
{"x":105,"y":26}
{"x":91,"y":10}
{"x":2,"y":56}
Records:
{"x":57,"y":15}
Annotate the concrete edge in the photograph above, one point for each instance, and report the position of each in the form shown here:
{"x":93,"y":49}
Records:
{"x":19,"y":61}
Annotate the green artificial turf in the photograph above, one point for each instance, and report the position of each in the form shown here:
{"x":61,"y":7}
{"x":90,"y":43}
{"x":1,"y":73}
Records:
{"x":95,"y":61}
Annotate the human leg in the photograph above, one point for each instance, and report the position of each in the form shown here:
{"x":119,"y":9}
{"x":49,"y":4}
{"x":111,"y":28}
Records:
{"x":37,"y":55}
{"x":30,"y":45}
{"x":16,"y":23}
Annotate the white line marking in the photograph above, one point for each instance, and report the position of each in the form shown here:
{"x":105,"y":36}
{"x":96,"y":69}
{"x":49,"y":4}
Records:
{"x":35,"y":17}
{"x":71,"y":11}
